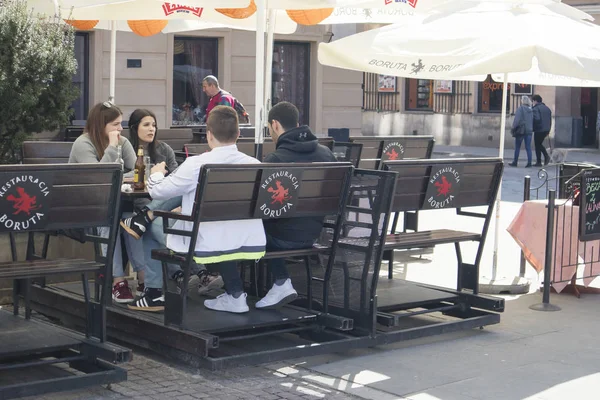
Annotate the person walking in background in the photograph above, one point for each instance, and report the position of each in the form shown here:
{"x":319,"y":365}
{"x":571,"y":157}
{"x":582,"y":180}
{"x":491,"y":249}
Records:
{"x":542,"y":123}
{"x":522,"y":130}
{"x":220,"y":97}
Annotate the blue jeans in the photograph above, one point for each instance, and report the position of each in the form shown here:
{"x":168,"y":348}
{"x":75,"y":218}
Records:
{"x":518,"y":141}
{"x":118,"y":270}
{"x":134,"y":247}
{"x":231,"y":277}
{"x":155,"y":238}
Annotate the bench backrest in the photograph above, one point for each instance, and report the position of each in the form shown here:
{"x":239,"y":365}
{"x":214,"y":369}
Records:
{"x":196,"y":148}
{"x":247,"y":131}
{"x":461,"y":182}
{"x":378,"y":148}
{"x":348,"y":152}
{"x":50,"y":197}
{"x":176,"y":137}
{"x":46,"y":152}
{"x":248,"y":191}
{"x":72,"y":132}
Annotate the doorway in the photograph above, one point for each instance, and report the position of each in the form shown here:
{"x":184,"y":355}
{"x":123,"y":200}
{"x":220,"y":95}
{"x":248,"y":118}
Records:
{"x":291,"y":76}
{"x":589,"y":115}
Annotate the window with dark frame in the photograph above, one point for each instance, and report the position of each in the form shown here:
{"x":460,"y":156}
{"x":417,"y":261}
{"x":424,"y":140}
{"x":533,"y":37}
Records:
{"x":419,"y":94}
{"x":81,"y":79}
{"x":380,"y":93}
{"x":490,"y":96}
{"x":451,"y":97}
{"x":193,"y":59}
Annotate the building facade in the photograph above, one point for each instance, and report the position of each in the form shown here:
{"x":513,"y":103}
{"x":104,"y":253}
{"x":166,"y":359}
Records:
{"x":164,"y":73}
{"x":468,"y":113}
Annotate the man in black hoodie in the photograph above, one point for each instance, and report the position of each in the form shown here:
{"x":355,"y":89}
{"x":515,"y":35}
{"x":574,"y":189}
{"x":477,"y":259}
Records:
{"x":542,"y":123}
{"x":293,"y":143}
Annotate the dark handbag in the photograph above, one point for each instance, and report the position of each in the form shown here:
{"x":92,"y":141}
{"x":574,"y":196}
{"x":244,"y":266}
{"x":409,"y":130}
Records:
{"x":519,"y":130}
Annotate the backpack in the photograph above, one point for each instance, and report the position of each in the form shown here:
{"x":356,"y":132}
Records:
{"x":241,"y":111}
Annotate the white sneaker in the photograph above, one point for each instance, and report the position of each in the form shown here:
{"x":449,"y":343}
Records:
{"x":227,"y":302}
{"x":278,"y":296}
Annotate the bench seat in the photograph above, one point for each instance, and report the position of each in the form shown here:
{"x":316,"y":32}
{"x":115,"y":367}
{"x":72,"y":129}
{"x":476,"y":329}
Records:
{"x":407,"y":240}
{"x":167,"y":255}
{"x":41,"y":268}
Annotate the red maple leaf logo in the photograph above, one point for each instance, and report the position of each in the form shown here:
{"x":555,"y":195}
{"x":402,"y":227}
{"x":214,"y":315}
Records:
{"x":392,"y":155}
{"x":443,"y":188}
{"x":24,"y":203}
{"x":280,"y":194}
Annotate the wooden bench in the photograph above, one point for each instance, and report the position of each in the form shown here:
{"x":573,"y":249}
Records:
{"x":176,"y":138}
{"x":46,"y":152}
{"x":463,"y":183}
{"x":348,"y":152}
{"x":319,"y":189}
{"x":55,"y":197}
{"x":245,"y":145}
{"x":382,"y":148}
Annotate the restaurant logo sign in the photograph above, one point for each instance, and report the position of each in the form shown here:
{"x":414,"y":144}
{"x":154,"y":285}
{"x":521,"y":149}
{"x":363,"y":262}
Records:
{"x":443,"y":187}
{"x":412,"y":3}
{"x":24,"y":201}
{"x":170,"y":9}
{"x":415,"y":67}
{"x":393,"y":151}
{"x":278,"y":193}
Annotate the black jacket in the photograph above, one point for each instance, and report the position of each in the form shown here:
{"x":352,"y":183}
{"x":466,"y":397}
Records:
{"x":297,"y":145}
{"x":542,"y":118}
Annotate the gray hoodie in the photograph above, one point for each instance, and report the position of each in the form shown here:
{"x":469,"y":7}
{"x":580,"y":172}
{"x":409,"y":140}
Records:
{"x":524,"y":113}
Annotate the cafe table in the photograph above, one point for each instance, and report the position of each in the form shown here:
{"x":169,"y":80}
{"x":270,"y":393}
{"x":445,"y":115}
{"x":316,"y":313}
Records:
{"x":571,"y":257}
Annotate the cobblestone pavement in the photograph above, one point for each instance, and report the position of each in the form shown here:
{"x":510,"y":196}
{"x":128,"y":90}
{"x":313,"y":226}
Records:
{"x":149,"y":378}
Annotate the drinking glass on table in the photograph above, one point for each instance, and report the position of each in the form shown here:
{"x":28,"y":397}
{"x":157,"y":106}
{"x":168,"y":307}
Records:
{"x":148,"y":165}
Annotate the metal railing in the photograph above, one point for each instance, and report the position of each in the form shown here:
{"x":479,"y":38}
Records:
{"x":567,"y":259}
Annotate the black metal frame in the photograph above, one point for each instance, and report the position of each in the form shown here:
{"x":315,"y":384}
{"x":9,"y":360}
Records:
{"x":380,"y":198}
{"x":340,"y":329}
{"x":83,"y":352}
{"x":176,"y":303}
{"x":468,"y":274}
{"x":351,"y":152}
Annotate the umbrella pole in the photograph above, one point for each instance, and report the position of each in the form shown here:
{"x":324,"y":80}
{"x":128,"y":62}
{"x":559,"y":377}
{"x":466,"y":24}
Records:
{"x":113,"y":60}
{"x":260,"y":75}
{"x":269,"y":64}
{"x":501,"y":155}
{"x":504,"y":285}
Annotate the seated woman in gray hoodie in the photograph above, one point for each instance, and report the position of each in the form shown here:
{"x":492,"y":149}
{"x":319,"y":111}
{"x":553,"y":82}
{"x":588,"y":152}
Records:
{"x":99,"y":142}
{"x":522,"y":130}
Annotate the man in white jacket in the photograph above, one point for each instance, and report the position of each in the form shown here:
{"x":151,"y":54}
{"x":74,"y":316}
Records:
{"x":221,"y":242}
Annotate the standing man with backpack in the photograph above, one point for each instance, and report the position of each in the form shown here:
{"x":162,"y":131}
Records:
{"x":220,"y":97}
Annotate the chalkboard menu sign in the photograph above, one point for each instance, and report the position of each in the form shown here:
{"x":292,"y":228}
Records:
{"x":589,"y":208}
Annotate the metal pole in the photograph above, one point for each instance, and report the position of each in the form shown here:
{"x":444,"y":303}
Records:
{"x":269,"y":63}
{"x":501,"y":155}
{"x":545,"y":304}
{"x":526,"y":196}
{"x":260,"y":72}
{"x":113,"y":61}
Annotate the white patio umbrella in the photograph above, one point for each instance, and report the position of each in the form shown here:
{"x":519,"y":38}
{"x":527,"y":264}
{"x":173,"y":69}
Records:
{"x":524,"y":42}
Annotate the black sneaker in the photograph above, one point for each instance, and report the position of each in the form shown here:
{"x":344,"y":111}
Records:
{"x":152,"y":300}
{"x":136,"y":225}
{"x":204,"y":281}
{"x":208,"y":281}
